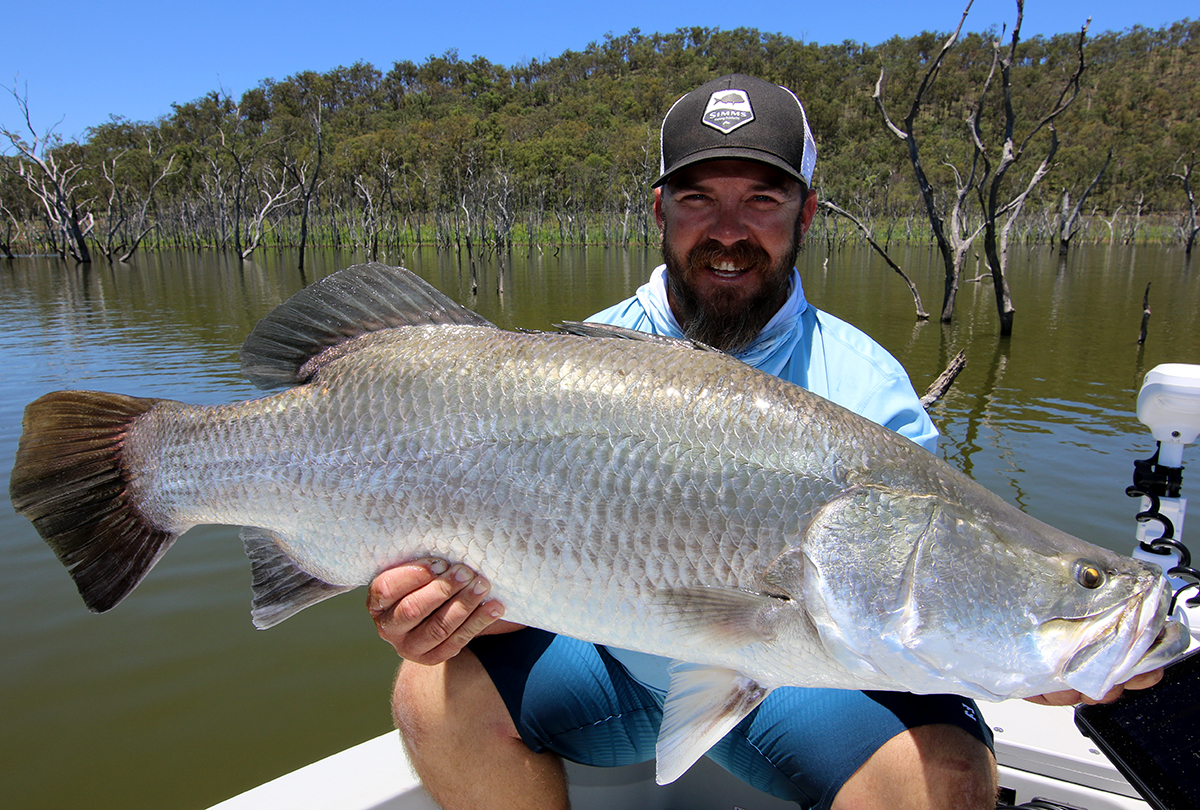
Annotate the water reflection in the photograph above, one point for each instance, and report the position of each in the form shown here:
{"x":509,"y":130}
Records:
{"x":173,"y":700}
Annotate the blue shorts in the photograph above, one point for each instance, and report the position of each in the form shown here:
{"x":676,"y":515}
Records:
{"x":573,"y":698}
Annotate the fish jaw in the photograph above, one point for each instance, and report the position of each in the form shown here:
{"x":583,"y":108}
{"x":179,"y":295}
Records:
{"x":1124,"y":642}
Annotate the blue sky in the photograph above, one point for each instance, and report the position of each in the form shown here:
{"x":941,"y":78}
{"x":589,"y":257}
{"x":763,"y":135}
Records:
{"x":79,"y":61}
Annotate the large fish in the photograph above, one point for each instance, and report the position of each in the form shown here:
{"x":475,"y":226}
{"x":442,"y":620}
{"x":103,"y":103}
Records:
{"x":635,"y":491}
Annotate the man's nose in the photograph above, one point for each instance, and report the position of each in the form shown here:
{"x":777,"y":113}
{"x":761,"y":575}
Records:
{"x":728,"y":226}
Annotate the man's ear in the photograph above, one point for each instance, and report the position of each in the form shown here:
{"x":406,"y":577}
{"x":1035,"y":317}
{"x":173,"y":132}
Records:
{"x":808,"y":211}
{"x":658,"y":214}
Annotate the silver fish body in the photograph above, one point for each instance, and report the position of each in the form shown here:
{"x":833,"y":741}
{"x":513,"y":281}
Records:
{"x":639,"y":493}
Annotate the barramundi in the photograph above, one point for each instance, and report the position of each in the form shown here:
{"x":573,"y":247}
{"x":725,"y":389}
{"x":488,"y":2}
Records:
{"x":641,"y":492}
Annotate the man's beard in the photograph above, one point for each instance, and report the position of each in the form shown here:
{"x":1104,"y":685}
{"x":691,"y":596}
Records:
{"x":730,"y":319}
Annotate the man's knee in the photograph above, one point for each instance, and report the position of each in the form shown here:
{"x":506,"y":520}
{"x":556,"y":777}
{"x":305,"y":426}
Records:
{"x":413,"y":692}
{"x":462,"y":742}
{"x":448,"y":698}
{"x":935,"y":766}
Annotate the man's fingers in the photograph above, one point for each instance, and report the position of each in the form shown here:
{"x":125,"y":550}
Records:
{"x":1066,"y":698}
{"x":1070,"y":697}
{"x":475,"y":623}
{"x":429,"y":610}
{"x":1145,"y":680}
{"x":461,"y":592}
{"x":387,"y":589}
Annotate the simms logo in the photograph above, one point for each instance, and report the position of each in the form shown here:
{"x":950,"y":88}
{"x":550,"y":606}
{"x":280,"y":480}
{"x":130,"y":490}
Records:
{"x":727,"y":110}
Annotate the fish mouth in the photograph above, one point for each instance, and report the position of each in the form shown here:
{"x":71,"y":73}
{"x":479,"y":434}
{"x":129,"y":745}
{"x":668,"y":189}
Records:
{"x":1171,"y":642}
{"x":1124,"y":642}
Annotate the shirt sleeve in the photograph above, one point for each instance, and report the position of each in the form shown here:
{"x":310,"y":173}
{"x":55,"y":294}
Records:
{"x":862,"y":376}
{"x":895,"y":405}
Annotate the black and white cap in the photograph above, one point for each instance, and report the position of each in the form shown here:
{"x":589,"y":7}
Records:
{"x":740,"y":117}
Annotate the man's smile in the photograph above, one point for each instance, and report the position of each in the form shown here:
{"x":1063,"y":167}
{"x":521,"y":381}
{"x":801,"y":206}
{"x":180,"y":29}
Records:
{"x":726,"y":269}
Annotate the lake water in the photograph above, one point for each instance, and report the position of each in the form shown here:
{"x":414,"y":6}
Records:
{"x":173,"y":700}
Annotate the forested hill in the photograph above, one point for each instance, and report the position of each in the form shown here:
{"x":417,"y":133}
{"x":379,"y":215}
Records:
{"x":454,"y":145}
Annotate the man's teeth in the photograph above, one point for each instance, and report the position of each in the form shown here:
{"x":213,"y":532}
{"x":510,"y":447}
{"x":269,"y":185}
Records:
{"x":726,"y":269}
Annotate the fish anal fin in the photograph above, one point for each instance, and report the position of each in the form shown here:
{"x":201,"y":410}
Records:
{"x":348,"y":304}
{"x":281,"y":588}
{"x":702,"y":706}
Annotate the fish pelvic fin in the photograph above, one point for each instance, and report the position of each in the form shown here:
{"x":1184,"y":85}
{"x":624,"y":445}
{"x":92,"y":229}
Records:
{"x":71,"y":482}
{"x":281,"y":588}
{"x":703,"y":704}
{"x":348,"y":304}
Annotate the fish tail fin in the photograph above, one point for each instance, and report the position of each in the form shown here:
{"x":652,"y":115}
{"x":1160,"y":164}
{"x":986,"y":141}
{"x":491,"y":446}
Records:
{"x":71,"y":482}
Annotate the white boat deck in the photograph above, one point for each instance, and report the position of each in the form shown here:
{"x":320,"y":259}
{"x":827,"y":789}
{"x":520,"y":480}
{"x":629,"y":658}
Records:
{"x":1041,"y":754}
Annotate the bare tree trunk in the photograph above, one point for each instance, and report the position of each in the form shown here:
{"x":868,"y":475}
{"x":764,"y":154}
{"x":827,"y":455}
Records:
{"x":1190,"y":227}
{"x":938,"y":388}
{"x":952,"y":243}
{"x":125,"y":232}
{"x":307,"y":184}
{"x":1145,"y":314}
{"x":271,"y":197}
{"x":1069,"y":218}
{"x":995,"y":241}
{"x":51,"y":176}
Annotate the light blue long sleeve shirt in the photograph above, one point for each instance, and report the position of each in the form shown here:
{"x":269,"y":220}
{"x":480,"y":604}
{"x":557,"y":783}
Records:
{"x":805,"y":346}
{"x":808,"y":347}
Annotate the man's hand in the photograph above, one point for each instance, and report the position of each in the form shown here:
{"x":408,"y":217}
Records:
{"x":428,"y":610}
{"x":1070,"y":697}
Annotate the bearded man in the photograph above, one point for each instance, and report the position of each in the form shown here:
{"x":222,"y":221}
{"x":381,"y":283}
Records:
{"x":487,"y":709}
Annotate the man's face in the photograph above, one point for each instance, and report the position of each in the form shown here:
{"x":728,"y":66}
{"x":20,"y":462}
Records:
{"x":731,"y":230}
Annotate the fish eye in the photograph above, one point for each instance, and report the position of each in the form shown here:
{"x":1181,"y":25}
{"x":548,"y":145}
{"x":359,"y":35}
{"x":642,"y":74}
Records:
{"x":1088,"y":575}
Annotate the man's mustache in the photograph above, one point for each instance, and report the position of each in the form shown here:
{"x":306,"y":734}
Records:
{"x":741,"y":255}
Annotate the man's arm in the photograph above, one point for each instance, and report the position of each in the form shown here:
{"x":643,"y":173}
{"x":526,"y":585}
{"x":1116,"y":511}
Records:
{"x":428,"y":610}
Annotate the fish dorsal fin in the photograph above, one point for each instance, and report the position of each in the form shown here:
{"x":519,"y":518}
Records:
{"x":702,"y":705}
{"x":606,"y":330}
{"x":281,"y":588}
{"x":350,"y":303}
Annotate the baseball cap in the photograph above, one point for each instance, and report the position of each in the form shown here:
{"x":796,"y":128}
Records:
{"x":741,"y":117}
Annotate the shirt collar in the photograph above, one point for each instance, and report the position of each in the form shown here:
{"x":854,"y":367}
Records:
{"x":768,"y":351}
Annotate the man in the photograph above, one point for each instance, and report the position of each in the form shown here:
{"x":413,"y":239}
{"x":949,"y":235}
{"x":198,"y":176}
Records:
{"x":488,"y":717}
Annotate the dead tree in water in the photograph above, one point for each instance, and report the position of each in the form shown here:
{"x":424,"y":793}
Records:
{"x":938,"y":388}
{"x":125,"y":221}
{"x":306,"y":173}
{"x":1069,"y":218}
{"x":954,"y":241}
{"x":1145,"y":314}
{"x":1190,"y":228}
{"x":995,"y":239}
{"x":980,"y":177}
{"x":50,"y":172}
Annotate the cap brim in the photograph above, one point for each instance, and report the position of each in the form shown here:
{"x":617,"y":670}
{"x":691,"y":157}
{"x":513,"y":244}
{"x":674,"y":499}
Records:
{"x":731,"y":153}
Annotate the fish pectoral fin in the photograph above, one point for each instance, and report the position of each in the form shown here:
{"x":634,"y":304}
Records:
{"x":701,"y":707}
{"x":721,"y":618}
{"x":281,"y":588}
